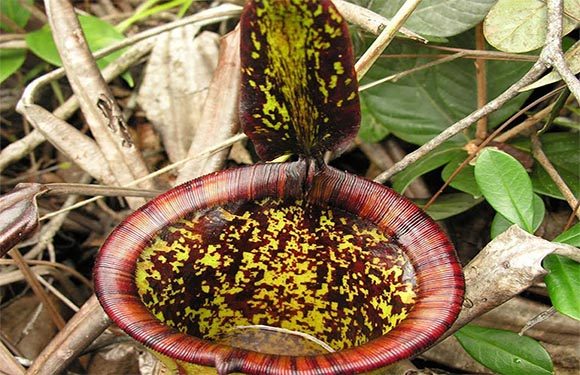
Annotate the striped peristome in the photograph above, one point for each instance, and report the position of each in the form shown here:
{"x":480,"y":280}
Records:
{"x":434,"y":300}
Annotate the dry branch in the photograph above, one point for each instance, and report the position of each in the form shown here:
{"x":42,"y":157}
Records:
{"x":81,"y":330}
{"x":541,"y":157}
{"x":552,"y":45}
{"x":508,"y":265}
{"x":8,"y":363}
{"x":109,"y":129}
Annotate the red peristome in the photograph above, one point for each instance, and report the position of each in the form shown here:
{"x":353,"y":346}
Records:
{"x":299,"y":91}
{"x":439,"y":278}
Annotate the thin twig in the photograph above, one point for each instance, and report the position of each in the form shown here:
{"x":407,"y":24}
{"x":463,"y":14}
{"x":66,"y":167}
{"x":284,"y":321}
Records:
{"x":570,"y":220}
{"x":481,"y":78}
{"x":524,"y":125}
{"x":58,"y":266}
{"x":538,"y":319}
{"x":106,"y":191}
{"x":57,"y":293}
{"x":397,"y":76}
{"x":37,"y":288}
{"x":541,"y":157}
{"x":81,"y":330}
{"x":385,"y":37}
{"x":474,"y":53}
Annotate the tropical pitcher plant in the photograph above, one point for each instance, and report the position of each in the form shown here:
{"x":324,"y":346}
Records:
{"x":284,"y":267}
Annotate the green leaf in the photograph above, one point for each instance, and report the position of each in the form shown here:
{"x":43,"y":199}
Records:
{"x":570,"y":237}
{"x":10,"y":61}
{"x":563,"y":284}
{"x":506,"y":186}
{"x":99,"y":34}
{"x":465,"y":180}
{"x":520,"y":25}
{"x":15,"y":12}
{"x":449,"y":205}
{"x":500,"y":224}
{"x":505,"y":352}
{"x":371,"y":130}
{"x":421,"y":105}
{"x":431,"y":161}
{"x":436,"y":17}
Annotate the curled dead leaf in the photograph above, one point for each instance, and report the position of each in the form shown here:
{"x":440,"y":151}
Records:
{"x":18,"y":214}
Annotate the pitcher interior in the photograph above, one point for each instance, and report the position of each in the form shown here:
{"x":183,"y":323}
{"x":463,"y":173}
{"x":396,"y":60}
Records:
{"x":277,"y":276}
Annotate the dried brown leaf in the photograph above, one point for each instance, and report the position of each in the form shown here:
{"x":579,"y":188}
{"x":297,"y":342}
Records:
{"x":27,"y":324}
{"x":219,"y":119}
{"x":175,"y":85}
{"x":18,"y":215}
{"x":118,"y":359}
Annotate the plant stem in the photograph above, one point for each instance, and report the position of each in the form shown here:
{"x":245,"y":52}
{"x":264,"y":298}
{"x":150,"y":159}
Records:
{"x":481,"y":77}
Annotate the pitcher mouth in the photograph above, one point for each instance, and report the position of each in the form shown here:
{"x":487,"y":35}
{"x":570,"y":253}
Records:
{"x":195,"y":271}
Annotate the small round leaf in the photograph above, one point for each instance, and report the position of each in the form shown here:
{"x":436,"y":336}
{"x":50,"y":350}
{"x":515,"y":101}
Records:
{"x":507,"y":187}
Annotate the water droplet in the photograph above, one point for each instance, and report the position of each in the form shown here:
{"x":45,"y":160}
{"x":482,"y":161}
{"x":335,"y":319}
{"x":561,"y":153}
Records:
{"x":517,"y":360}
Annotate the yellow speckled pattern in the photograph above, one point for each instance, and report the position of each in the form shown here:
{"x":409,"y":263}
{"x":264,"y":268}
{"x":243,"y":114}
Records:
{"x":299,"y":90}
{"x":292,"y":265}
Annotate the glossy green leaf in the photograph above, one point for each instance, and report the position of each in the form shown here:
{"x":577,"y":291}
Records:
{"x":465,"y":180}
{"x":520,"y":25}
{"x":570,"y":237}
{"x":449,"y":205}
{"x":421,"y":105}
{"x":500,"y":224}
{"x":299,"y":92}
{"x":99,"y":34}
{"x":10,"y":61}
{"x":436,"y":17}
{"x":431,"y":161}
{"x":12,"y":10}
{"x":563,"y":284}
{"x":371,"y":129}
{"x":506,"y":186}
{"x":505,"y":352}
